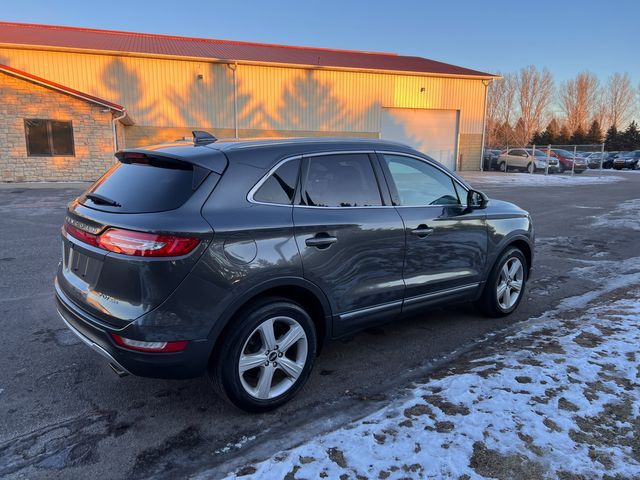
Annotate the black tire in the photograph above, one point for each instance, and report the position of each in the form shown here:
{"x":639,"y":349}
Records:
{"x":530,"y":167}
{"x":502,"y":166}
{"x":488,"y":301}
{"x":224,"y":369}
{"x":561,"y":168}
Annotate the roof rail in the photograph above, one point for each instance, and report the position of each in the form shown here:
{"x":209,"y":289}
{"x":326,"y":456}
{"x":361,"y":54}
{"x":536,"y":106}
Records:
{"x":201,"y":137}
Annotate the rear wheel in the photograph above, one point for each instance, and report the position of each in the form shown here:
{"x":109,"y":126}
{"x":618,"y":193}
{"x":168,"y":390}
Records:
{"x":502,"y":167}
{"x":505,"y":285}
{"x":561,"y":168}
{"x":267,"y":357}
{"x":530,"y":167}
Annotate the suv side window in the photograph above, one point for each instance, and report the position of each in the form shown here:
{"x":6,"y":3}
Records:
{"x":419,"y":183}
{"x":341,"y":180}
{"x":280,"y":186}
{"x":517,"y":153}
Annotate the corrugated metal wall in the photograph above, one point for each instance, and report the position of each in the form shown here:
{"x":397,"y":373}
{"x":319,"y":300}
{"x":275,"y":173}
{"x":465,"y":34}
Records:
{"x":168,"y":93}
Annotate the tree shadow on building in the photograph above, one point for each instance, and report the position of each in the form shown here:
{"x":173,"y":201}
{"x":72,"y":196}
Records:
{"x":124,"y":87}
{"x":208,"y":102}
{"x":309,"y":104}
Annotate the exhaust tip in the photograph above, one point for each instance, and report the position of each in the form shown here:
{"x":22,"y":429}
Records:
{"x":118,"y":371}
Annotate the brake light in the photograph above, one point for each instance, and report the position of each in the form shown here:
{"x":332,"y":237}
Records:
{"x":145,"y":244}
{"x":157,"y":347}
{"x":81,"y":235}
{"x":140,"y":244}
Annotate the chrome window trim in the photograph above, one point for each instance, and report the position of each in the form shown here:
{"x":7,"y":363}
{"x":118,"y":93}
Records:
{"x":265,"y":177}
{"x":434,"y":164}
{"x":262,"y":180}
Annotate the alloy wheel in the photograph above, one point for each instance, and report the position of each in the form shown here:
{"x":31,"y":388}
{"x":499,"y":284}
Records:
{"x":273,"y":357}
{"x":510,"y":282}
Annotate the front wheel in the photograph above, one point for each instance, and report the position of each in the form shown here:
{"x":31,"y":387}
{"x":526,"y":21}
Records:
{"x":267,"y":356}
{"x":502,"y":167}
{"x":505,"y":285}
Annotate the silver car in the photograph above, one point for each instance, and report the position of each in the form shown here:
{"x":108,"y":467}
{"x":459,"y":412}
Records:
{"x":526,"y":159}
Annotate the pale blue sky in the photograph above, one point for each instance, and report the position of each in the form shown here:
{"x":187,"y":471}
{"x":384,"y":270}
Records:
{"x":566,"y":36}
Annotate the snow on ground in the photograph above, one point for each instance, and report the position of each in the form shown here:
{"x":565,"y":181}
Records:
{"x":626,"y":215}
{"x":558,"y":399}
{"x":536,"y":180}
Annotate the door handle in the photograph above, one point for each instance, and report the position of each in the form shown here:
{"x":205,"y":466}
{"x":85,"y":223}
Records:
{"x":422,"y":231}
{"x":321,"y":240}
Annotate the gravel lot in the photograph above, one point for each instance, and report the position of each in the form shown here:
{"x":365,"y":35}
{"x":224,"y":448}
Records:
{"x":66,"y":415}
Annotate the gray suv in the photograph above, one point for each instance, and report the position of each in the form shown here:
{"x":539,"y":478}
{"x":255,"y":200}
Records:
{"x":241,"y":259}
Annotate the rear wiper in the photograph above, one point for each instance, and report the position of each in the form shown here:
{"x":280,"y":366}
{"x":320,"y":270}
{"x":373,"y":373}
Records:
{"x":101,"y":199}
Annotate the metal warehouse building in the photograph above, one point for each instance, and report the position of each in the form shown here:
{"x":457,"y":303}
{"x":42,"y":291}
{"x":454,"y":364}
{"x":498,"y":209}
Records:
{"x":70,"y":96}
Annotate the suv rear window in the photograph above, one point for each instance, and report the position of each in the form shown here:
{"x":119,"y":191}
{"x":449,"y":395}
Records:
{"x":144,"y":184}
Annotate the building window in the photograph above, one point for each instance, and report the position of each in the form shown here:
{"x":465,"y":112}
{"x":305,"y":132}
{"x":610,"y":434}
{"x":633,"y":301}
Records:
{"x":46,"y":138}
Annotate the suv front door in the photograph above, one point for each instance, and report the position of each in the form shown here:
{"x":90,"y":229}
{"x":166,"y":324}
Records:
{"x":446,"y":243}
{"x":350,"y":237}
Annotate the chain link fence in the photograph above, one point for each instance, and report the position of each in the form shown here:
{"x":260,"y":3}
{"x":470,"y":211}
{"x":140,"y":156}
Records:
{"x":547,"y":159}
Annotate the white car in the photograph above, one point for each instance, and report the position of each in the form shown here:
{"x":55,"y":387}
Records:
{"x":527,"y":160}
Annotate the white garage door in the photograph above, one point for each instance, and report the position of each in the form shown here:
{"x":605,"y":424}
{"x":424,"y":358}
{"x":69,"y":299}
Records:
{"x":432,"y":132}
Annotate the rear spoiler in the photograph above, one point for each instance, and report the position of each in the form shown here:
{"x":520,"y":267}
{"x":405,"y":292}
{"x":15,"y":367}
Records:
{"x":201,"y":156}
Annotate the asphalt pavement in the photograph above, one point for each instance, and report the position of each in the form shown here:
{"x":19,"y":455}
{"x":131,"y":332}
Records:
{"x":65,"y":414}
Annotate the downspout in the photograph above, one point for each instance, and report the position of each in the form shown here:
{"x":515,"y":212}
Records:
{"x":115,"y":131}
{"x":233,"y":67}
{"x":486,"y":84}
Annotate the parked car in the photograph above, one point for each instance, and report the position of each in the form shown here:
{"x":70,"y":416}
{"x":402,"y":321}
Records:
{"x":567,"y":162}
{"x":593,"y":159}
{"x":628,"y":160}
{"x":490,"y":159}
{"x":241,"y":259}
{"x":524,"y":159}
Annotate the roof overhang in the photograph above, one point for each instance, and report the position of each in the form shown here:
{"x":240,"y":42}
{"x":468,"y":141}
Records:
{"x":119,"y":53}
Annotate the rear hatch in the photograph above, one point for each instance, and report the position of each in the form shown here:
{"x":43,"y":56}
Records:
{"x":133,"y":236}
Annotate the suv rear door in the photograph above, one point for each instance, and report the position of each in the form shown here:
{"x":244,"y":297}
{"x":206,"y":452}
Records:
{"x":350,"y":237}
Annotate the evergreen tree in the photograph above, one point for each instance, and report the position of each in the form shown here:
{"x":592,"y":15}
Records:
{"x":552,"y":131}
{"x":520,"y":133}
{"x":549,"y":136}
{"x":612,"y":139}
{"x":594,"y":135}
{"x":504,"y":134}
{"x":564,"y":137}
{"x":630,"y":138}
{"x":539,"y":138}
{"x":579,"y":137}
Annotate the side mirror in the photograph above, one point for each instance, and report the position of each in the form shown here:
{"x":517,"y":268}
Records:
{"x":476,"y":200}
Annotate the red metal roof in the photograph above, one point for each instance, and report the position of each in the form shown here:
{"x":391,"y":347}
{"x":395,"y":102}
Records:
{"x":152,"y":44}
{"x":61,"y":88}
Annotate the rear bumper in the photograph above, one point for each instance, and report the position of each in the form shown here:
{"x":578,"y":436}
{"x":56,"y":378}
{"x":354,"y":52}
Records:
{"x":191,"y":362}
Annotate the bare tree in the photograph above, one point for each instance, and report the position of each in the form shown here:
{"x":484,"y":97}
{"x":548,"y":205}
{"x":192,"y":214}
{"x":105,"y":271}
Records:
{"x":618,"y":101}
{"x":579,"y":100}
{"x":534,"y":93}
{"x":500,"y":103}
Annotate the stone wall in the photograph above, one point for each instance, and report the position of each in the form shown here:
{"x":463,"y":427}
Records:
{"x":92,"y":132}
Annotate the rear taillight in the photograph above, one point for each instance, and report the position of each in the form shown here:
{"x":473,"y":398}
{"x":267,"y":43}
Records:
{"x":140,"y":346}
{"x":140,"y":244}
{"x":145,"y":244}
